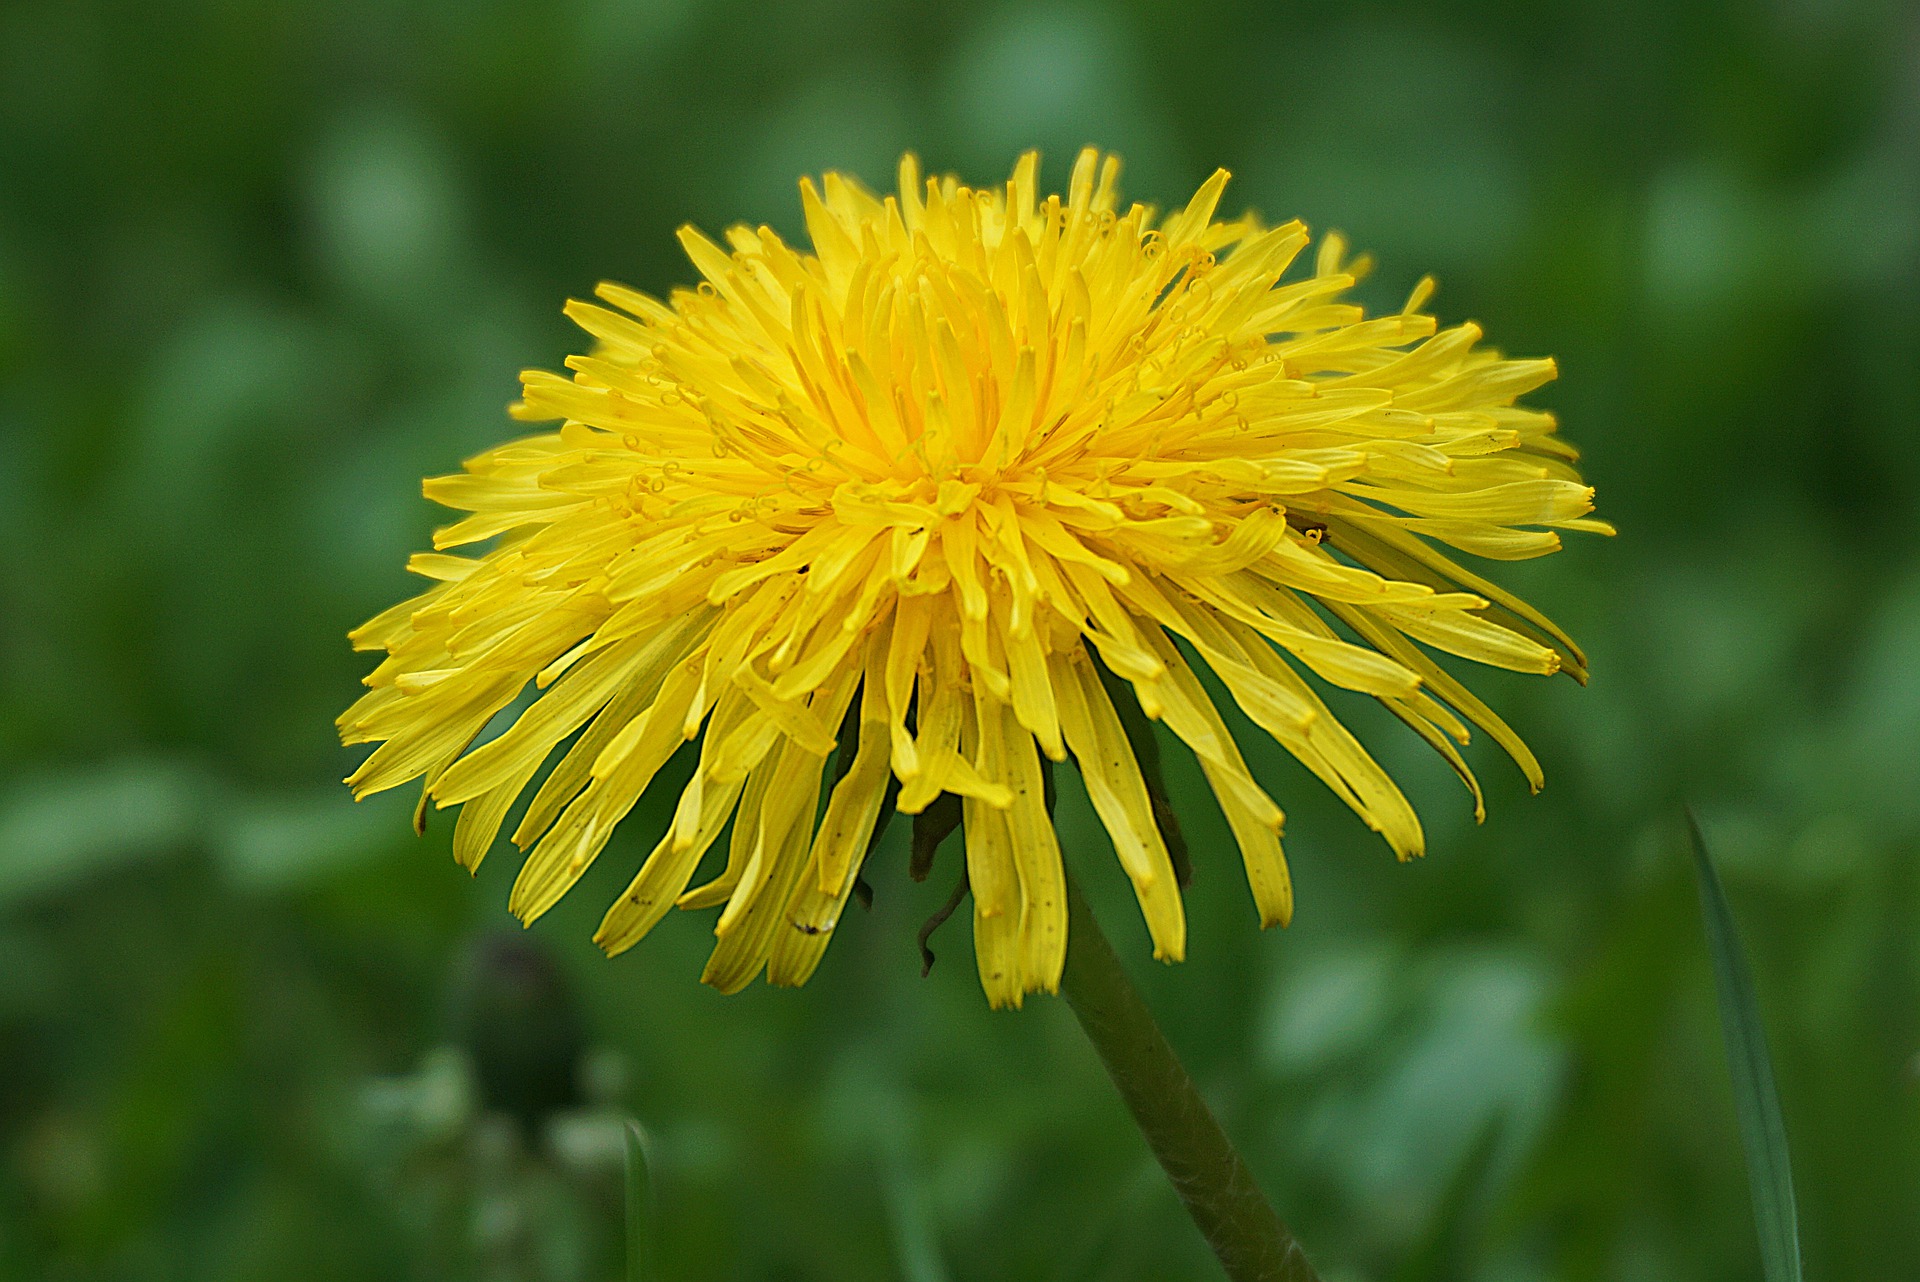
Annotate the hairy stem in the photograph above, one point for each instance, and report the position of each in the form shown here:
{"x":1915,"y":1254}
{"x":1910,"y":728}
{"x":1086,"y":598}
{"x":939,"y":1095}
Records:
{"x":1253,"y":1244}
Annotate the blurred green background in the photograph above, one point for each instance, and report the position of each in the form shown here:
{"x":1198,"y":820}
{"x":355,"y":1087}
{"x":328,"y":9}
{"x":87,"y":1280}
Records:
{"x":265,"y":263}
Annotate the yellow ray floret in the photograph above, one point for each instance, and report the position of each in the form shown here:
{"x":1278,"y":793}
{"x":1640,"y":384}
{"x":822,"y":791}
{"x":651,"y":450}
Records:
{"x":933,"y":494}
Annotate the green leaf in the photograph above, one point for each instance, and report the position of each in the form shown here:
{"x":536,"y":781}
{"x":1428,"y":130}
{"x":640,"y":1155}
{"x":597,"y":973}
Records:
{"x":60,"y":828}
{"x":1757,"y":1102}
{"x":640,"y":1201}
{"x":1445,"y":1248}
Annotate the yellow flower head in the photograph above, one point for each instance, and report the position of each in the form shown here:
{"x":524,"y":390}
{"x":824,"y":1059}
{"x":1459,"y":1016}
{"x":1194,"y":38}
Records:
{"x":976,"y":460}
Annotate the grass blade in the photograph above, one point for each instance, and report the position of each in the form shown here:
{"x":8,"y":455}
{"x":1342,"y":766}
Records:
{"x":916,"y":1243}
{"x":1769,"y":1173}
{"x":639,"y":1200}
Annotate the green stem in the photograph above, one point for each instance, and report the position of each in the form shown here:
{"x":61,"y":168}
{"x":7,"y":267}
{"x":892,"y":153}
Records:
{"x":1252,"y":1242}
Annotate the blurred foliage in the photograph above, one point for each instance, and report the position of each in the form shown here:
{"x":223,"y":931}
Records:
{"x":264,"y":263}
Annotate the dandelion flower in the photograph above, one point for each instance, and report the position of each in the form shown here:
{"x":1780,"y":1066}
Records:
{"x":931,"y":494}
